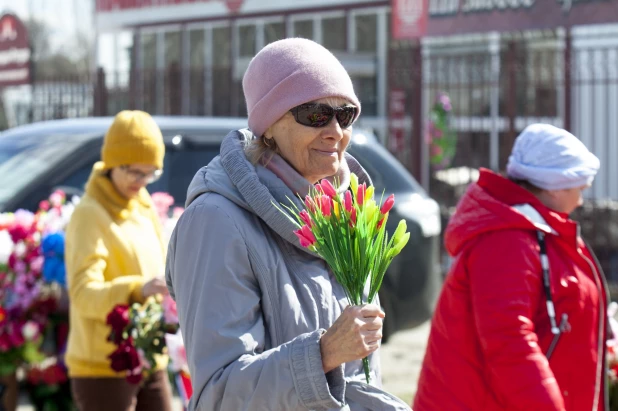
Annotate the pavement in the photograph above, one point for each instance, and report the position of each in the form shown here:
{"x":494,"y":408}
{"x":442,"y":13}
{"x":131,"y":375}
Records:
{"x":401,"y":357}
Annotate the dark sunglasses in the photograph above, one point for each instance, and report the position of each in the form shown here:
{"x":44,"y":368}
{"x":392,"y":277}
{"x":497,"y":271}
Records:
{"x":319,"y":115}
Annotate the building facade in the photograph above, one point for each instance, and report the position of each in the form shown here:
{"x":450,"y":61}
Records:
{"x":504,"y":63}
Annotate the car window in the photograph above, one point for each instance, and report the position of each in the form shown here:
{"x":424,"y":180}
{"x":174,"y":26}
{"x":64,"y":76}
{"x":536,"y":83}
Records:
{"x":179,"y":169}
{"x":23,"y":159}
{"x":386,"y":171}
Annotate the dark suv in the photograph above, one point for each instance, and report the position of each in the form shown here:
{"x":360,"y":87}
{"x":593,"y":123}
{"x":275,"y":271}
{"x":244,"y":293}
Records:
{"x":38,"y":158}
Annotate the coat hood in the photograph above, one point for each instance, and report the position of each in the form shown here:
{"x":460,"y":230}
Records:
{"x":254,"y":187}
{"x":496,"y":203}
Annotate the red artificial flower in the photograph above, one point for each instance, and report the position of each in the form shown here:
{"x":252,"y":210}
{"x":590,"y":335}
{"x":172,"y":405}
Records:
{"x":347,"y":201}
{"x":44,"y":205}
{"x":388,"y":204}
{"x":5,"y":343}
{"x":360,"y":194}
{"x":325,"y":205}
{"x":381,"y":223}
{"x":304,"y":215}
{"x":328,"y":188}
{"x":18,"y":233}
{"x":12,"y":261}
{"x":118,"y":318}
{"x":35,"y":376}
{"x":15,"y":335}
{"x":125,"y":358}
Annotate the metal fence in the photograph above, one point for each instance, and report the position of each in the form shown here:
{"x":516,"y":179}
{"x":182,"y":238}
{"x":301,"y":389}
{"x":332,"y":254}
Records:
{"x":569,"y":81}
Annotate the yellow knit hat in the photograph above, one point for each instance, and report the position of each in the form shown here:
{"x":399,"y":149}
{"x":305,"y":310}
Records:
{"x":133,"y":138}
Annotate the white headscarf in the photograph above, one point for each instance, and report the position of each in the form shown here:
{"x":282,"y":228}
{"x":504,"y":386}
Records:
{"x":551,"y":158}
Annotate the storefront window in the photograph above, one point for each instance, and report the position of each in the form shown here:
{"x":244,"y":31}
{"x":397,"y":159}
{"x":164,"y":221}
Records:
{"x":274,"y":32}
{"x":365,"y":87}
{"x":149,"y":72}
{"x":246,"y":41}
{"x":196,"y":73}
{"x":303,"y":29}
{"x":366,"y":33}
{"x":221,"y":71}
{"x":172,"y":81}
{"x":334,"y":33}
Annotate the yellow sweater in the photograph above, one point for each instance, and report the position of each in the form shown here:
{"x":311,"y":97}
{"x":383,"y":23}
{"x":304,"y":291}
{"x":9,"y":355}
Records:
{"x":113,"y":246}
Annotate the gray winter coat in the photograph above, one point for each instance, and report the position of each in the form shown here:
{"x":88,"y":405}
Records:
{"x":253,"y":303}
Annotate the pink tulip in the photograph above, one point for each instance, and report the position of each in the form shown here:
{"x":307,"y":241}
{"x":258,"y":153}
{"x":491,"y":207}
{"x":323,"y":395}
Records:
{"x":381,"y":223}
{"x":328,"y":188}
{"x":388,"y":204}
{"x":347,"y":201}
{"x":360,"y":194}
{"x":304,"y":215}
{"x":325,"y":205}
{"x":309,"y":204}
{"x":306,"y":237}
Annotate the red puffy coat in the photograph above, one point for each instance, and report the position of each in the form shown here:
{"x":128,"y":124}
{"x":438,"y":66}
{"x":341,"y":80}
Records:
{"x":490,"y":331}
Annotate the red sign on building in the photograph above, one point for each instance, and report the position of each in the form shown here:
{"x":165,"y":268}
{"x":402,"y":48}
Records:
{"x":397,"y":114}
{"x":14,"y":52}
{"x":112,"y":5}
{"x":409,"y":18}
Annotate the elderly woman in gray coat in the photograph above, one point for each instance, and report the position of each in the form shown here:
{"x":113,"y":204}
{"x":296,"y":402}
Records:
{"x":265,"y":323}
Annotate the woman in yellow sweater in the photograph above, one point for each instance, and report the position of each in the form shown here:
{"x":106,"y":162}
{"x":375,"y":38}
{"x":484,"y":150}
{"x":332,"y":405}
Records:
{"x":115,"y":255}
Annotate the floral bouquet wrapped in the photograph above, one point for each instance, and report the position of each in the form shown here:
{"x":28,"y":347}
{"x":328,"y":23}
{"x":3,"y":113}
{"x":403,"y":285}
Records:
{"x":349,"y":232}
{"x":139,"y":333}
{"x":441,"y":137}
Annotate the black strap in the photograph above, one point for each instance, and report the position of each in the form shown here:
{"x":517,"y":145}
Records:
{"x":556,"y":329}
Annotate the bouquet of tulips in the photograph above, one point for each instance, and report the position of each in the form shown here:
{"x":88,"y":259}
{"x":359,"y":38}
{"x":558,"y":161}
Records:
{"x":349,"y":232}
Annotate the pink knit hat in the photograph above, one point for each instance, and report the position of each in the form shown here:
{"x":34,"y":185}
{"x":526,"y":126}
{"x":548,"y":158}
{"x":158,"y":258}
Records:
{"x":288,"y":73}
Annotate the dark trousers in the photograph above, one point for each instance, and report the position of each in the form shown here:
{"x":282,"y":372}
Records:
{"x":116,"y":394}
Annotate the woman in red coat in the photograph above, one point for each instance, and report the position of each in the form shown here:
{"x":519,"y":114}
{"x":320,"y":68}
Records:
{"x":500,"y":339}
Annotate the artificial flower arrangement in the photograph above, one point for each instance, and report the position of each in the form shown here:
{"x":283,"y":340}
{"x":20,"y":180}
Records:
{"x":139,"y":333}
{"x":33,"y":302}
{"x":349,"y":232}
{"x":440,"y":136}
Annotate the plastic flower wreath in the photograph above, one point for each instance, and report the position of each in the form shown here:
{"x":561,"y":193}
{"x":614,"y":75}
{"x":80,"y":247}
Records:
{"x":440,"y":136}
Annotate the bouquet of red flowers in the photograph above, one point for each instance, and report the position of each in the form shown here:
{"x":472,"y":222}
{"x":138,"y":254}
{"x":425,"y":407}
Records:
{"x":139,"y":332}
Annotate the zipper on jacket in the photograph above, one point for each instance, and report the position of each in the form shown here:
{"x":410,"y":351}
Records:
{"x":602,"y":314}
{"x":605,"y":322}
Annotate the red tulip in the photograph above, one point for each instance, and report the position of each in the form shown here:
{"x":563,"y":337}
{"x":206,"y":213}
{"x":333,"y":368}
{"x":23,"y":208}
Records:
{"x":388,"y":204}
{"x":328,"y":188}
{"x":304,"y":215}
{"x":325,"y":205}
{"x":306,"y":237}
{"x":360,"y":194}
{"x":353,"y":217}
{"x":381,"y":223}
{"x":347,"y":201}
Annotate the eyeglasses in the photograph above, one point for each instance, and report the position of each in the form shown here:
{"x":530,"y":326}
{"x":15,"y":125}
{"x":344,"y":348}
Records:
{"x":319,"y":115}
{"x":137,"y":175}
